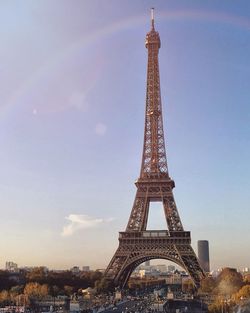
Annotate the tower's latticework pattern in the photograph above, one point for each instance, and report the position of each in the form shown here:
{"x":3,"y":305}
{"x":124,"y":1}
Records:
{"x":136,"y":244}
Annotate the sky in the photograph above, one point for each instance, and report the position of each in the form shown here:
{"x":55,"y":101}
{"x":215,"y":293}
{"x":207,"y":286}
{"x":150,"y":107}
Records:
{"x":73,"y":83}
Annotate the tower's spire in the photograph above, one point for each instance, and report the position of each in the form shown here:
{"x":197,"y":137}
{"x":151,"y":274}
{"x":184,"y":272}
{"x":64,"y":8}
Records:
{"x":152,"y":19}
{"x":154,"y":160}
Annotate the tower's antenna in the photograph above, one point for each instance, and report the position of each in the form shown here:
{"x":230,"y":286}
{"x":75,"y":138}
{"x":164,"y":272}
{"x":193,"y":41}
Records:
{"x":152,"y":19}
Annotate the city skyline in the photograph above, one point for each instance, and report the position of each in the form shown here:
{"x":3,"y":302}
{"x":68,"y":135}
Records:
{"x":73,"y":93}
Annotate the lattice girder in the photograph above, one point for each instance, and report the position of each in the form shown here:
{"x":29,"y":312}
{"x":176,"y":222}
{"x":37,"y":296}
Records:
{"x":137,"y":245}
{"x":149,"y":190}
{"x":154,"y":160}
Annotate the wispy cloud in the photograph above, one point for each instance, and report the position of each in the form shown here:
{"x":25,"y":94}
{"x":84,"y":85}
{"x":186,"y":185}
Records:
{"x":78,"y":221}
{"x":100,"y":129}
{"x":67,"y":100}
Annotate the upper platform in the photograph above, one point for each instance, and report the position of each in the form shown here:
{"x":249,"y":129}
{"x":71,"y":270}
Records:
{"x":152,"y":37}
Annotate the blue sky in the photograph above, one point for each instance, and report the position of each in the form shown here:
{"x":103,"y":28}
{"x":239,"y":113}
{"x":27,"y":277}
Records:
{"x":73,"y":78}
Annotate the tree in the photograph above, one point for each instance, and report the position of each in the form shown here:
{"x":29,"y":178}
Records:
{"x":243,"y":293}
{"x":38,"y":274}
{"x":15,"y":293}
{"x":68,"y":290}
{"x":216,"y":306}
{"x":5,"y":282}
{"x":54,"y":291}
{"x":188,"y":286}
{"x":247,"y":278}
{"x":228,"y":282}
{"x":208,"y":284}
{"x":36,"y":290}
{"x":104,"y":285}
{"x":94,"y":276}
{"x":4,"y":297}
{"x":16,"y":290}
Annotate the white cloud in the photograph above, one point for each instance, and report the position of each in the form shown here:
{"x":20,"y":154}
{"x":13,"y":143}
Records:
{"x":100,"y":129}
{"x":78,"y":221}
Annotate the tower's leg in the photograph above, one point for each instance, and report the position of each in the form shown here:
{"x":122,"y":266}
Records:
{"x":139,"y":214}
{"x":191,"y":263}
{"x":115,"y":265}
{"x":131,"y":253}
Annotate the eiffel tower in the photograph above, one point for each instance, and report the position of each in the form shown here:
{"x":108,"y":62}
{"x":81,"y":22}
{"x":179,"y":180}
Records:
{"x":136,"y":244}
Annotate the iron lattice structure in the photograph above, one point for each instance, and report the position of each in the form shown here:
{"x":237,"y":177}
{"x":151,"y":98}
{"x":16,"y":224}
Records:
{"x":136,"y":244}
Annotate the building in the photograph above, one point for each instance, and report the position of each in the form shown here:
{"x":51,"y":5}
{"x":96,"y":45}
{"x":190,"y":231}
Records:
{"x":147,"y":263}
{"x":11,"y":267}
{"x":203,"y":255}
{"x":162,"y":268}
{"x":171,"y":268}
{"x":75,"y":270}
{"x":246,"y":270}
{"x":49,"y":304}
{"x":174,"y":279}
{"x":86,"y":268}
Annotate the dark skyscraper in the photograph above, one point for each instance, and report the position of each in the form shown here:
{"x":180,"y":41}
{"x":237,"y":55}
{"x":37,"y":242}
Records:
{"x":203,"y":255}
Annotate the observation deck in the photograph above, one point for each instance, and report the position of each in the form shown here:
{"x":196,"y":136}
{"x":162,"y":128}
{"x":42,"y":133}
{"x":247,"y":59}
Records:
{"x":169,"y":237}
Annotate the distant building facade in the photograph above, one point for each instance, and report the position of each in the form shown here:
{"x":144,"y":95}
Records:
{"x":171,"y":268}
{"x":11,"y":267}
{"x":75,"y":270}
{"x":203,"y":255}
{"x":161,"y":268}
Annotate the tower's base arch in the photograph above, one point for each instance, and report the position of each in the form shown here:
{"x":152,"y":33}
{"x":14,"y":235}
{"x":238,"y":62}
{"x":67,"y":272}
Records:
{"x":138,"y":247}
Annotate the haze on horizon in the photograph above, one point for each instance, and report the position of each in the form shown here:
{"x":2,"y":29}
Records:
{"x":73,"y":85}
